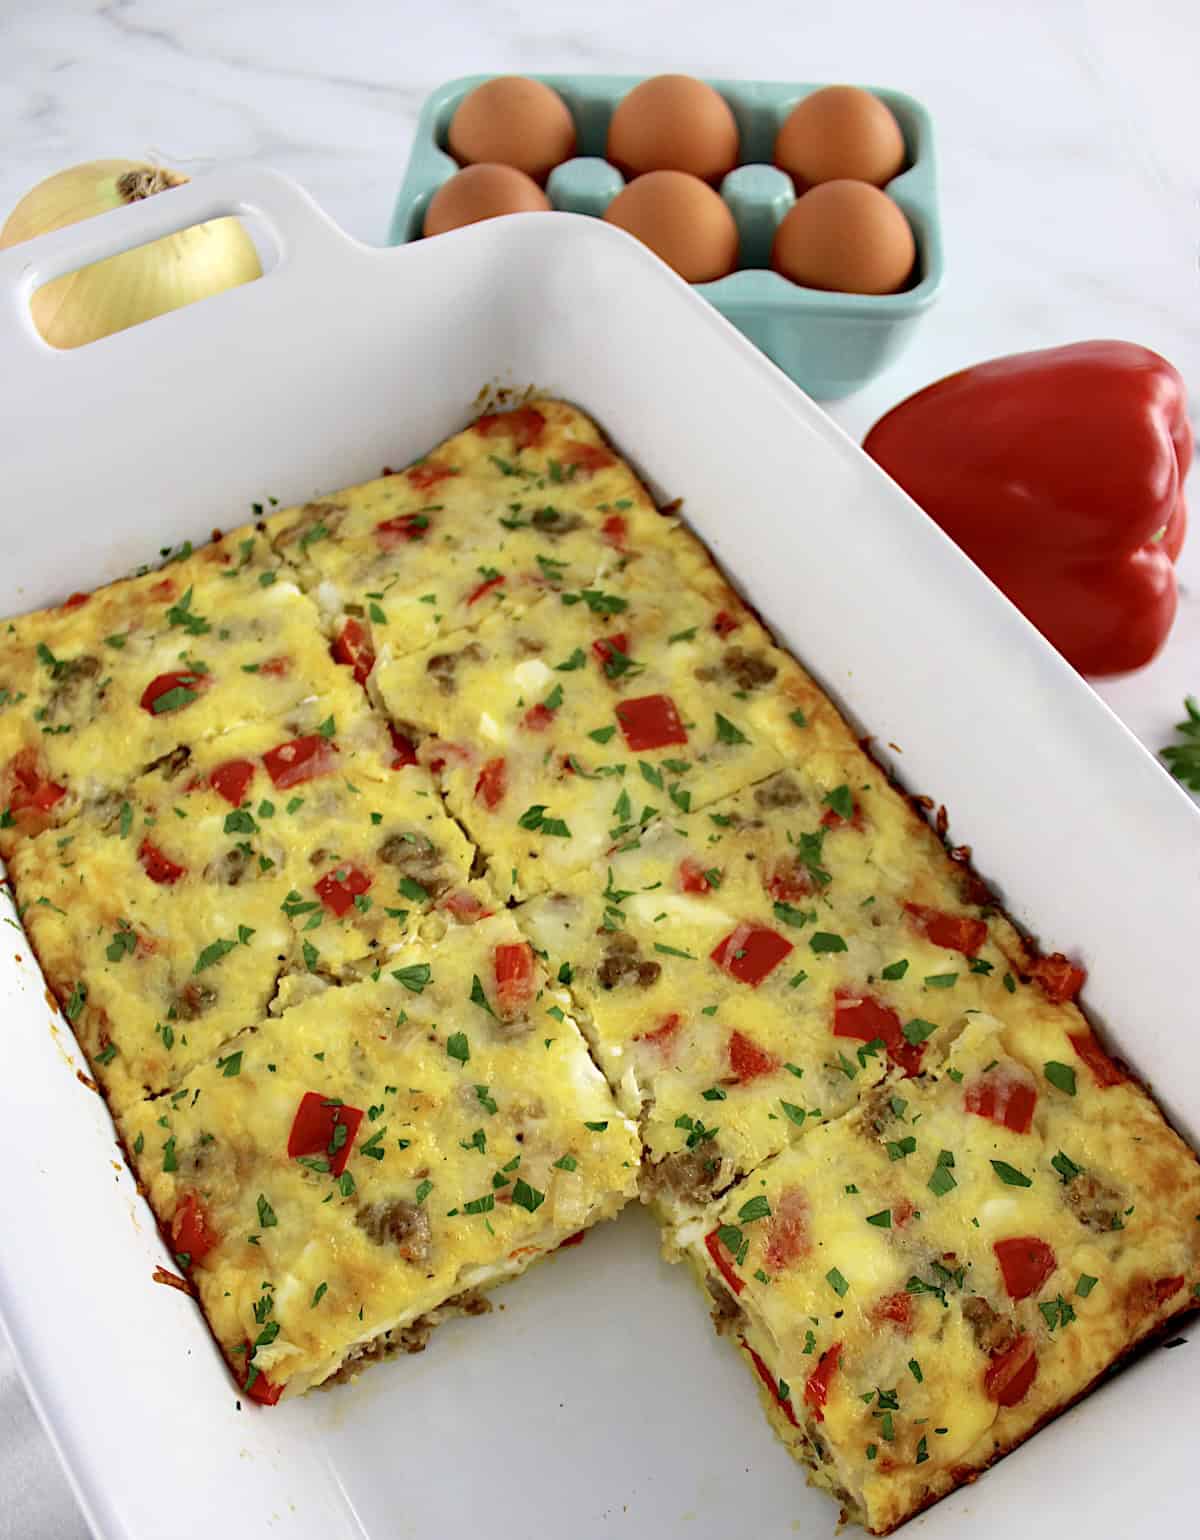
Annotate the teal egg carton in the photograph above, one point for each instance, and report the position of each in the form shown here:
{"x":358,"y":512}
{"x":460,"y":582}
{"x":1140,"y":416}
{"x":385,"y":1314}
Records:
{"x":830,"y":344}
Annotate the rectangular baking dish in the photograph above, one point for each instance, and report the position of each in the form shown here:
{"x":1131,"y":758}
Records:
{"x":598,"y":1400}
{"x":830,"y":344}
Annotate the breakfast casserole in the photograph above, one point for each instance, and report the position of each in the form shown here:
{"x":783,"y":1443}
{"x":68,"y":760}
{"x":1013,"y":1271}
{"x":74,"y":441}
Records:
{"x":430,"y":868}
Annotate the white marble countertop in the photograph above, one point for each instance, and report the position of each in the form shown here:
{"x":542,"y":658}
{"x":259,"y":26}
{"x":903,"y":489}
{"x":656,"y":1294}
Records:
{"x":1067,"y":135}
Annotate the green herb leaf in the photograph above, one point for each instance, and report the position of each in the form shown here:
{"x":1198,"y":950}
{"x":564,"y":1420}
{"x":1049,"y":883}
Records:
{"x":1061,"y":1076}
{"x":895,"y":970}
{"x":836,"y":1282}
{"x":826,"y":941}
{"x":458,"y":1047}
{"x":1066,"y":1167}
{"x":727,"y":732}
{"x":882,"y":1220}
{"x":754,"y":1209}
{"x":527,"y":1197}
{"x":1010,"y":1175}
{"x":1183,"y":759}
{"x":414,"y":977}
{"x":266,"y":1214}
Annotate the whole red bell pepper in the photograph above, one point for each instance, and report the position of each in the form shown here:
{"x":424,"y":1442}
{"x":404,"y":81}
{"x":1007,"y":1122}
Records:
{"x":1061,"y":474}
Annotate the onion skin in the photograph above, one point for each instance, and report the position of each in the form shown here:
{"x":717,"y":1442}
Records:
{"x":137,"y":285}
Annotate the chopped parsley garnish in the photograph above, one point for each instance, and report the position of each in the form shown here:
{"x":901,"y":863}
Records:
{"x":423,"y":1190}
{"x":882,"y":1220}
{"x":1085,"y":1285}
{"x":231,"y":1064}
{"x":841,"y":800}
{"x":458,"y":1047}
{"x":941,"y":1179}
{"x":318,"y":1295}
{"x":486,"y":1100}
{"x":1066,"y":1167}
{"x":826,"y":941}
{"x":566,"y":1163}
{"x":836,"y":1282}
{"x":916,"y":1030}
{"x":941,"y":980}
{"x":899,"y":1149}
{"x":527,"y":1197}
{"x":895,"y":970}
{"x":1009,"y":1175}
{"x":793,"y":1113}
{"x":1061,"y":1076}
{"x":753,"y":1209}
{"x":414,"y":977}
{"x":212,"y":954}
{"x":534,"y":818}
{"x":599,"y":603}
{"x":788,"y":914}
{"x":266,"y":1214}
{"x":727,"y":732}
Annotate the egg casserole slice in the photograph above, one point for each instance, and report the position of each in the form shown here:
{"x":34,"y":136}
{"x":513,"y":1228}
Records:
{"x":303,"y":826}
{"x":126,"y":679}
{"x":520,"y":504}
{"x":557,"y":733}
{"x":338,"y":1181}
{"x":167,"y":919}
{"x":920,"y":1284}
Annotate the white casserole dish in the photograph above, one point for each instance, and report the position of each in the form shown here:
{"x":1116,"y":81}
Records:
{"x":599,"y":1401}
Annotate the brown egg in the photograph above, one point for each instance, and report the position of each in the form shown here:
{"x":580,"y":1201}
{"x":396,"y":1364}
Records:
{"x":682,"y":220}
{"x":482,"y":192}
{"x":846,"y":236}
{"x":673,"y":123}
{"x":840,"y":132}
{"x":513,"y":121}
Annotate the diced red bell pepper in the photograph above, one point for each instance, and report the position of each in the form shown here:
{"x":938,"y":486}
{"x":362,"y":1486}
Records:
{"x":816,"y":1388}
{"x":724,"y":623}
{"x":650,"y":722}
{"x":73,"y":601}
{"x":1004,"y":1099}
{"x":192,"y":1232}
{"x":1003,"y":457}
{"x":232,"y":780}
{"x":485,"y":587}
{"x":895,"y":1309}
{"x":692,"y":877}
{"x":316,"y":1130}
{"x":31,"y":790}
{"x":427,"y":473}
{"x":902,"y":1212}
{"x":158,"y":699}
{"x":723,"y":1261}
{"x":586,"y":458}
{"x":1025,"y":1262}
{"x":663,"y":1036}
{"x":783,"y":1403}
{"x":573,"y":1240}
{"x":492,"y":784}
{"x":787,"y":1233}
{"x":512,"y":962}
{"x":402,"y":529}
{"x":352,"y":647}
{"x":955,"y":932}
{"x":1058,"y":977}
{"x":747,"y":1060}
{"x":301,"y":759}
{"x":1011,"y":1373}
{"x":157,"y":866}
{"x":538,"y":718}
{"x":464,"y":906}
{"x":834,"y":820}
{"x":524,"y":426}
{"x":606,"y":646}
{"x":1105,"y":1071}
{"x":276,"y":668}
{"x":404,"y":749}
{"x":1165,"y":1288}
{"x":868,"y":1020}
{"x":749,"y":952}
{"x":256,"y":1385}
{"x":615,"y":530}
{"x":338,"y":889}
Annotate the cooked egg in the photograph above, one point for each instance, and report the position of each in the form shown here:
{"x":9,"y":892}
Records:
{"x":674,"y":123}
{"x":840,"y":132}
{"x":513,"y":121}
{"x":682,"y":220}
{"x":482,"y":192}
{"x":845,"y":236}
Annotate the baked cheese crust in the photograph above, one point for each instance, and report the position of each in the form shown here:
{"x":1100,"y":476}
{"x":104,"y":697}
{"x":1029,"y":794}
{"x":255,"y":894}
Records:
{"x":327,"y":834}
